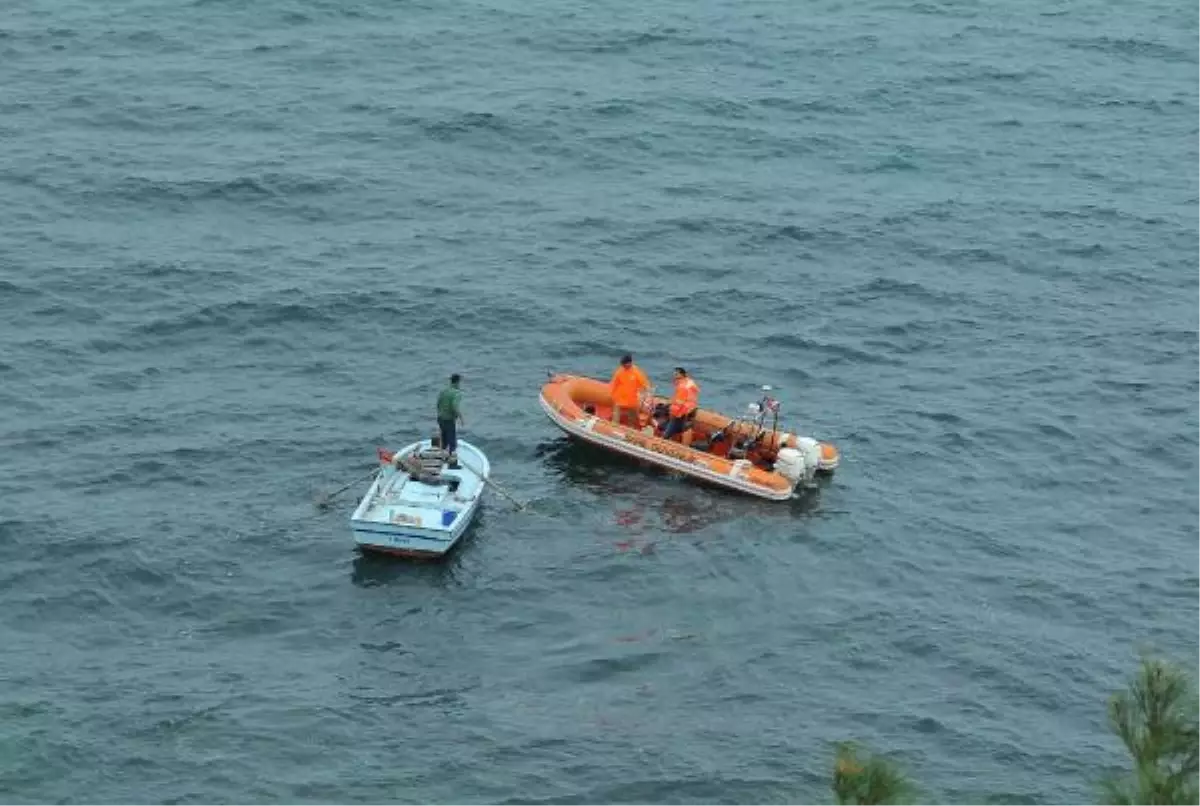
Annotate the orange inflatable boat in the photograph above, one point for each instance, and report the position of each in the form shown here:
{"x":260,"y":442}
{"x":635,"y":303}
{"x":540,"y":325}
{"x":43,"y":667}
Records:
{"x":739,"y":454}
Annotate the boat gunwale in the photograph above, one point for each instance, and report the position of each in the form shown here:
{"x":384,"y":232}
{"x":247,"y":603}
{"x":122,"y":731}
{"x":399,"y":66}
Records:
{"x":687,"y":467}
{"x":467,"y":510}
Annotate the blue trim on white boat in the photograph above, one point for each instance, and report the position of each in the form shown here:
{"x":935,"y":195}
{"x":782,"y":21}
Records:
{"x":358,"y":530}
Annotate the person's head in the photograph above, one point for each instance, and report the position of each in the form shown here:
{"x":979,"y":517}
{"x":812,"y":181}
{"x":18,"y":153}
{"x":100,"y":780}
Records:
{"x":680,"y":372}
{"x":454,"y":379}
{"x":627,"y":360}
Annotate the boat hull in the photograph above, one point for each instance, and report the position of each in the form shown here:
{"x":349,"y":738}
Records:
{"x":404,"y":517}
{"x":408,"y":543}
{"x":561,"y":399}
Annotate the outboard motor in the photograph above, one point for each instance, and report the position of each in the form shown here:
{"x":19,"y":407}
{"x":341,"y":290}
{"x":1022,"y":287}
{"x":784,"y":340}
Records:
{"x":812,"y":453}
{"x":790,"y":464}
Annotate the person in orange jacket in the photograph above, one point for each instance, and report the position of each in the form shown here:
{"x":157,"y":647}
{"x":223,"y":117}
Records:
{"x":626,"y":387}
{"x":684,"y":404}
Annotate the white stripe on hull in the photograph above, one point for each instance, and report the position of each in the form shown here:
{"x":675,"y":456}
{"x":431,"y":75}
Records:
{"x":731,"y":482}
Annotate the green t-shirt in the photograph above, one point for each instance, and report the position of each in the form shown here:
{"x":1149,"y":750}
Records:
{"x":449,"y":403}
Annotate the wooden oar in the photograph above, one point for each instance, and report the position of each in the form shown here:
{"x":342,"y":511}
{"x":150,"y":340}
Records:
{"x":521,"y":506}
{"x":324,"y":501}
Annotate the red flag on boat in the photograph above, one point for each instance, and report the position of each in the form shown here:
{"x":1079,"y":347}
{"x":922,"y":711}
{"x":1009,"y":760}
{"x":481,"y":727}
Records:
{"x":385,"y":456}
{"x":772,"y":404}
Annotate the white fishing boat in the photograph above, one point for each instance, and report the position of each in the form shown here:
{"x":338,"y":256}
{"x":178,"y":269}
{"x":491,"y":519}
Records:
{"x":419,"y":505}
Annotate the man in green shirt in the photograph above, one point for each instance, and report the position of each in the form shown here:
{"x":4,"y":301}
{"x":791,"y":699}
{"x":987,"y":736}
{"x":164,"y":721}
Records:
{"x":449,"y":411}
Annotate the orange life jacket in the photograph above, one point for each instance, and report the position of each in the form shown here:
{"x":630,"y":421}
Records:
{"x":686,"y":399}
{"x":625,"y":385}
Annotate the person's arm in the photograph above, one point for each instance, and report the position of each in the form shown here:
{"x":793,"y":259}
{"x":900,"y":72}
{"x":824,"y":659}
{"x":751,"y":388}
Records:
{"x":458,"y":410}
{"x":647,"y":390}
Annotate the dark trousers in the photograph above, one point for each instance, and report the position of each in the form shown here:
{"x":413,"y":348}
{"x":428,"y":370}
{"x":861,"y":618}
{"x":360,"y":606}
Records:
{"x":449,"y":435}
{"x":678,"y":425}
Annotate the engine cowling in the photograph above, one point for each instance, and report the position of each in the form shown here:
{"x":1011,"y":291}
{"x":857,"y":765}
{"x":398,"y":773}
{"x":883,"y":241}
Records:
{"x":790,"y":464}
{"x":811,"y":449}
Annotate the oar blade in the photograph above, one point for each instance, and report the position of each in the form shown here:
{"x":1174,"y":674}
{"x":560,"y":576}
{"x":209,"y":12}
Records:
{"x":325,"y":500}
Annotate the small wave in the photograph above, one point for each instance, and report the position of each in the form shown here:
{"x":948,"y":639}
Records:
{"x":217,"y":317}
{"x":1086,"y":212}
{"x":837,"y":353}
{"x":241,"y":317}
{"x":1132,"y":46}
{"x":30,"y":180}
{"x":578,"y":347}
{"x":177,"y":271}
{"x":751,"y":231}
{"x":615,"y":108}
{"x":239,"y":189}
{"x":1124,"y":387}
{"x":157,"y":118}
{"x":941,"y":10}
{"x":105,"y":346}
{"x":612,"y":43}
{"x":120,"y":380}
{"x":791,"y":232}
{"x":440,"y":697}
{"x":623,"y":42}
{"x":247,"y":625}
{"x":987,"y":77}
{"x":892,"y":163}
{"x":937,"y":211}
{"x":1056,"y":432}
{"x":887,"y":288}
{"x":452,"y":128}
{"x":976,"y":254}
{"x":144,"y":472}
{"x":148,"y":36}
{"x":723,"y":108}
{"x":1185,"y":338}
{"x":687,"y":191}
{"x":696,"y":224}
{"x":597,"y":669}
{"x":265,"y":48}
{"x":61,"y":309}
{"x":941,"y":417}
{"x":715,"y":789}
{"x":592,"y":222}
{"x":902,"y":343}
{"x":11,"y":529}
{"x":797,"y":105}
{"x":11,"y":292}
{"x":51,"y":348}
{"x":1144,"y":104}
{"x":1086,"y":251}
{"x":732,"y":299}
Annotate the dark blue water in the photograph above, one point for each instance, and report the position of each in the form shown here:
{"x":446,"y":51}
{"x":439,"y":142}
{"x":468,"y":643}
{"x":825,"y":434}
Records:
{"x":242,"y":244}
